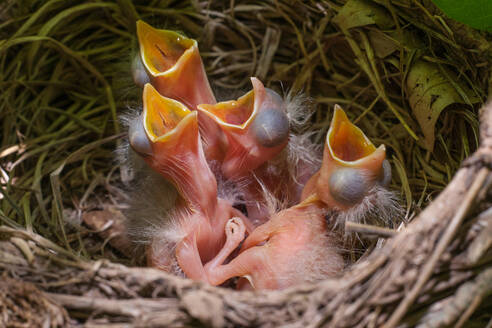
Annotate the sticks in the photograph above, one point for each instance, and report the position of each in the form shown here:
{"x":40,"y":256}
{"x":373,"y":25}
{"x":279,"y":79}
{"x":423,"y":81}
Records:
{"x":440,"y":248}
{"x":127,"y":307}
{"x":369,"y":230}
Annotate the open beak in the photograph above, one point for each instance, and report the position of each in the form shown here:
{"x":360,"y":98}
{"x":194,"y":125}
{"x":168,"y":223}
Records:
{"x":351,"y":166}
{"x":175,"y":149}
{"x":174,"y":66}
{"x":256,"y":127}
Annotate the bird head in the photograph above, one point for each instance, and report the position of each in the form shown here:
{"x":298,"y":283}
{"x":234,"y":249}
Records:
{"x":352,"y":166}
{"x":167,"y":137}
{"x":173,"y":65}
{"x":256,"y":127}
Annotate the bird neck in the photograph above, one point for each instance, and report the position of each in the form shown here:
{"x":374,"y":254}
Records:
{"x":199,"y":189}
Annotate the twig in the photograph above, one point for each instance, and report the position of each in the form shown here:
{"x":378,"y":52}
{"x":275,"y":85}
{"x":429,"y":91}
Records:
{"x":459,"y":307}
{"x":483,"y":241}
{"x":441,"y":246}
{"x":132,"y":307}
{"x":369,"y":229}
{"x":469,"y":311}
{"x":24,"y":248}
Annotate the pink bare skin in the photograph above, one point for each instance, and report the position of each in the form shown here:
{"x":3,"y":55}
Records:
{"x":293,"y":247}
{"x":204,"y":239}
{"x":174,"y":150}
{"x":256,"y":128}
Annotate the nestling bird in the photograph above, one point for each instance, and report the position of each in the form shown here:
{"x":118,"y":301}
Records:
{"x":295,"y":245}
{"x":238,"y":136}
{"x":354,"y":174}
{"x":256,"y":127}
{"x":207,"y":149}
{"x":168,"y":139}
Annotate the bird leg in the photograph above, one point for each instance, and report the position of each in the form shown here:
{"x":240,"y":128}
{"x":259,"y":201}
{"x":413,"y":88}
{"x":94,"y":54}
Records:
{"x":235,"y":230}
{"x":291,"y":248}
{"x":189,"y":260}
{"x":205,"y":243}
{"x":216,"y":271}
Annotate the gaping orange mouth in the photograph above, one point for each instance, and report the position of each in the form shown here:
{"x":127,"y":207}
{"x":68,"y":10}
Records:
{"x":161,"y":50}
{"x":173,"y":65}
{"x":236,"y":114}
{"x":345,"y":141}
{"x":351,"y":166}
{"x":256,"y":127}
{"x":163,"y":117}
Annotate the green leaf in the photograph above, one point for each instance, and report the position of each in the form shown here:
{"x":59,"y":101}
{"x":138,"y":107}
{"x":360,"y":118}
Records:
{"x":475,"y":13}
{"x":362,"y":12}
{"x":431,"y":90}
{"x":385,"y":43}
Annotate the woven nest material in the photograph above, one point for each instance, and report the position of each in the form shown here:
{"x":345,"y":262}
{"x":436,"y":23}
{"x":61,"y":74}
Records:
{"x":64,"y":74}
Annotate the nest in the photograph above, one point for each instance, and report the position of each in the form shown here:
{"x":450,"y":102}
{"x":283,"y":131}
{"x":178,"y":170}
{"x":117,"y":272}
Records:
{"x":409,"y":77}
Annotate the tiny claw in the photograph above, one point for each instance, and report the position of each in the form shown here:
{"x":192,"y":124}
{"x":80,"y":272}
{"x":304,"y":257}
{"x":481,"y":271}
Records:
{"x":235,"y":231}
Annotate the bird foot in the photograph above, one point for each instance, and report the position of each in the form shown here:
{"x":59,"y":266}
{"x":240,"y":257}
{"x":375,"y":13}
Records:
{"x":235,"y":230}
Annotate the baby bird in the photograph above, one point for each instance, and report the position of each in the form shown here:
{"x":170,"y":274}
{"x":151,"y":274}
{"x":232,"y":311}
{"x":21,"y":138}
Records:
{"x":256,"y":127}
{"x":183,"y":132}
{"x":354,"y":174}
{"x":257,"y":130}
{"x":294,"y":246}
{"x":173,"y":66}
{"x":171,"y":62}
{"x":238,"y":136}
{"x":167,"y":137}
